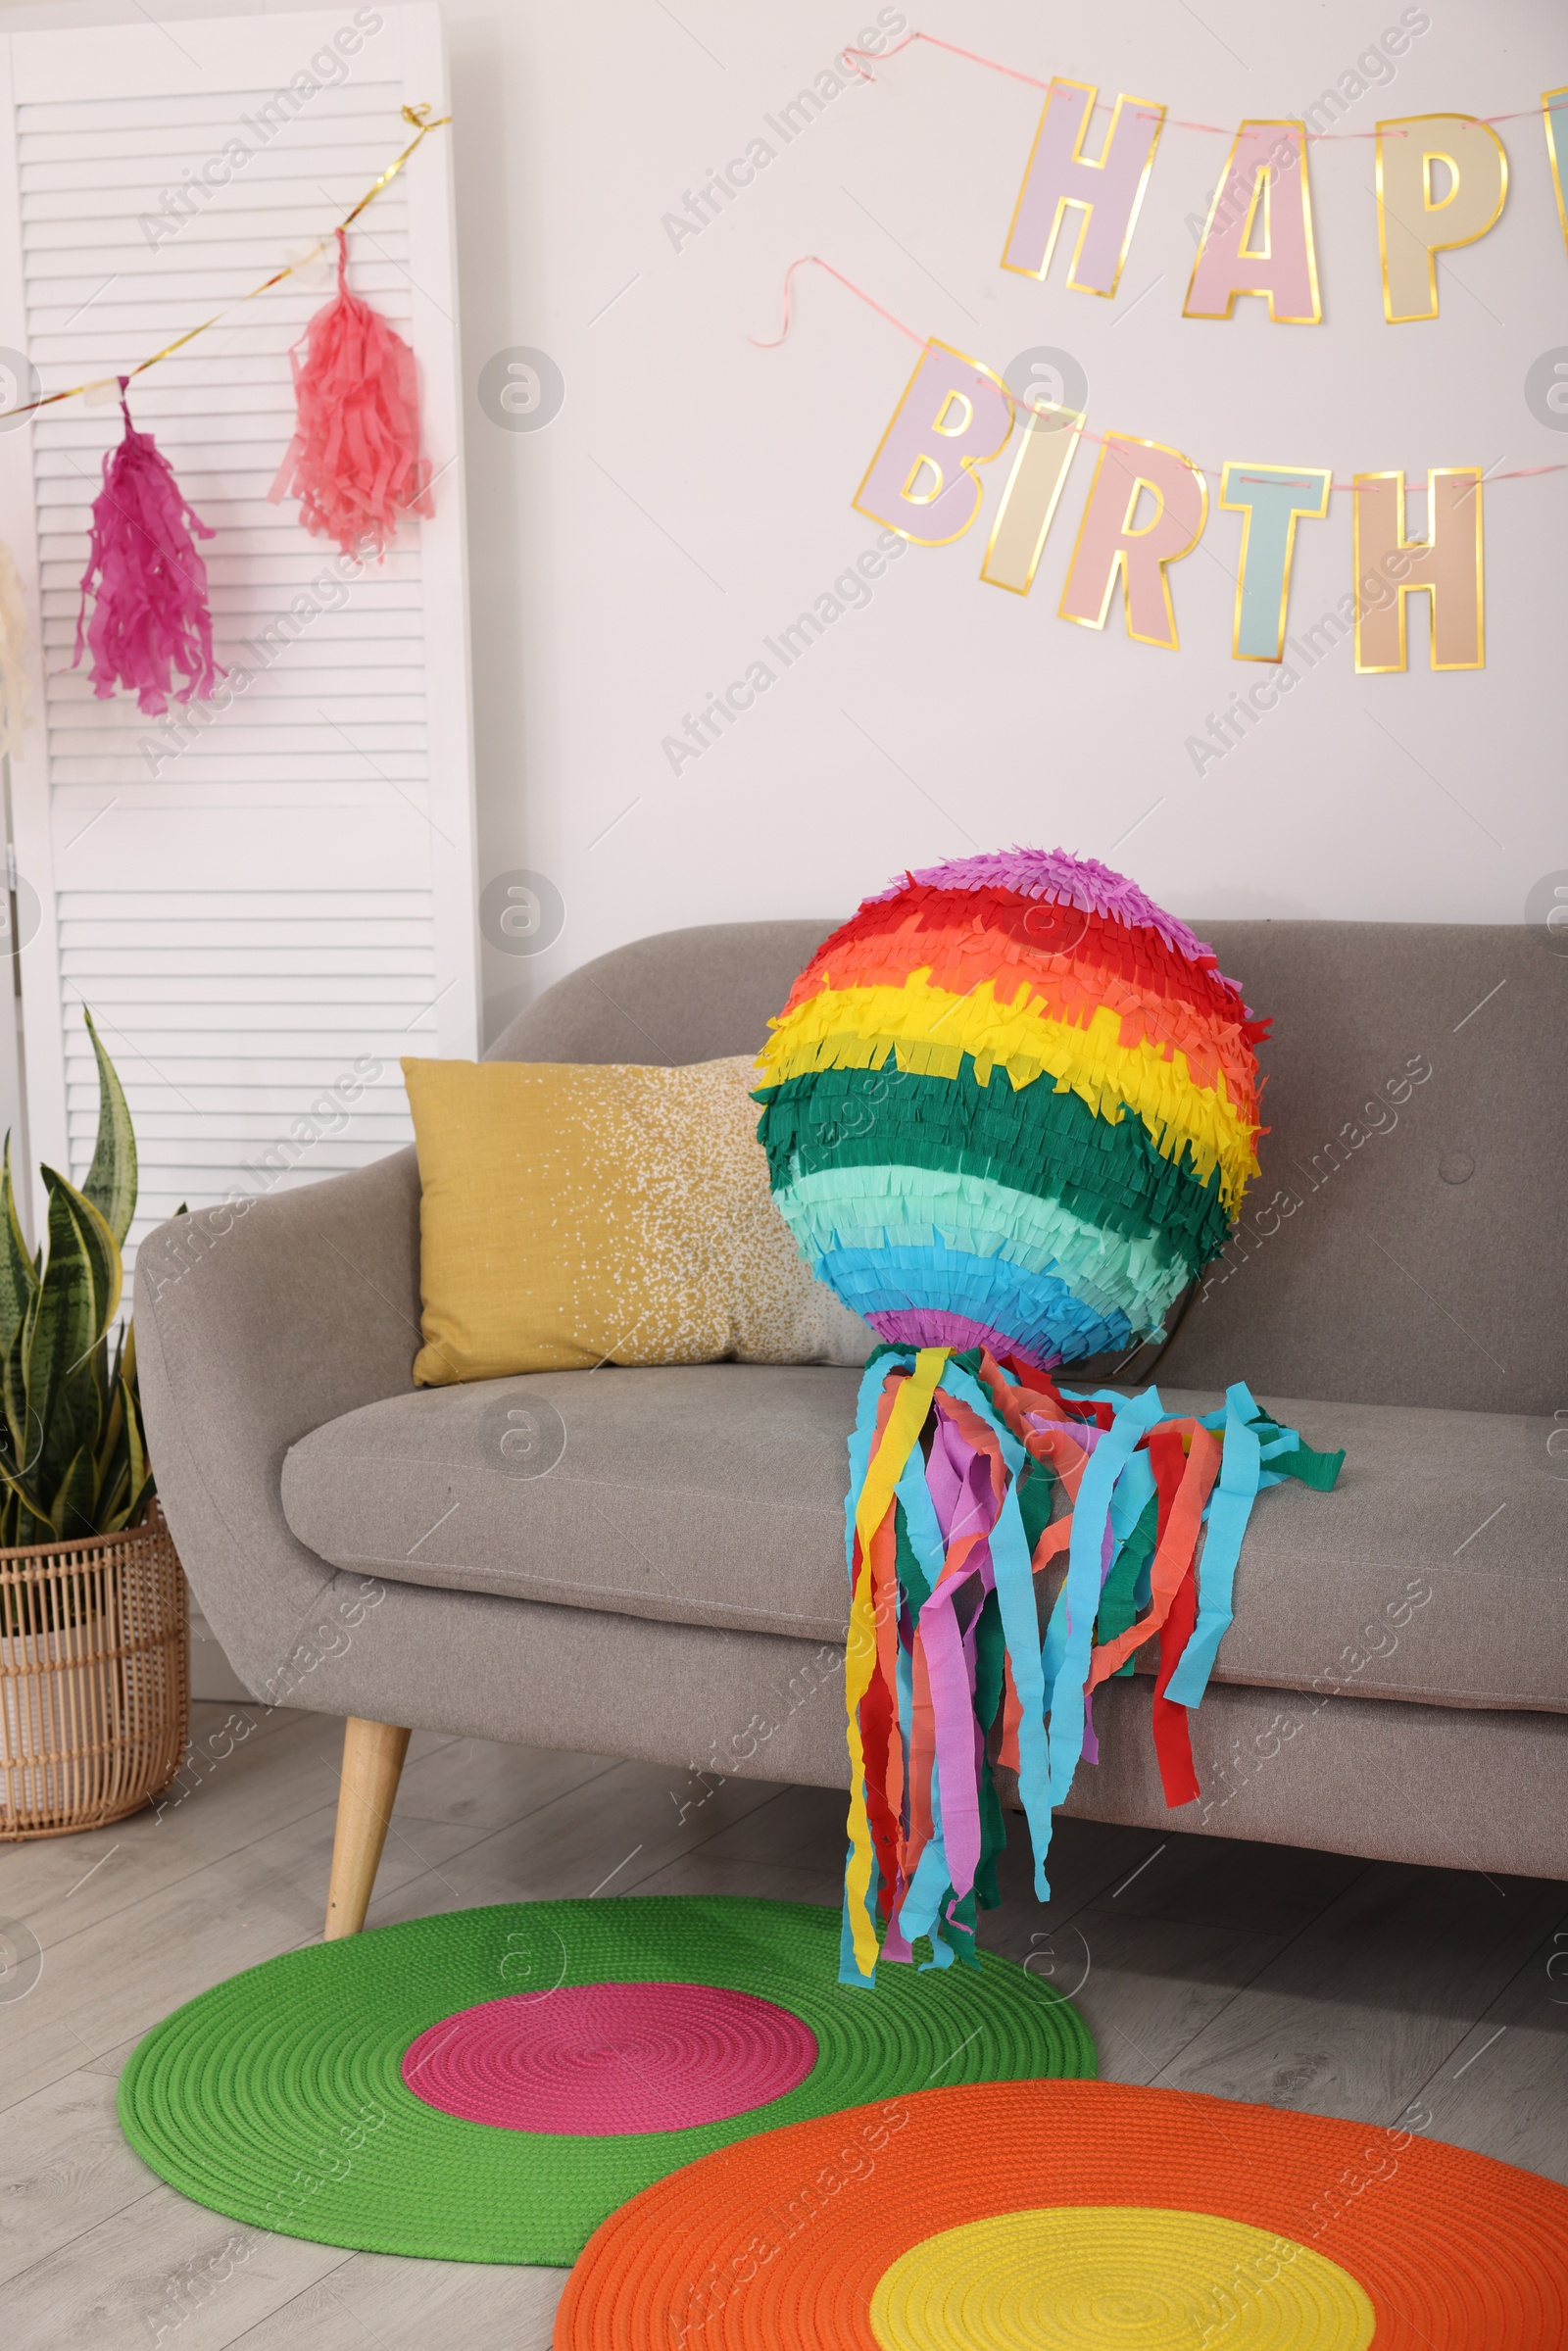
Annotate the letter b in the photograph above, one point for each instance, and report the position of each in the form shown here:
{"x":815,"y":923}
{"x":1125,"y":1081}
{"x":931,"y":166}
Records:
{"x":923,"y":482}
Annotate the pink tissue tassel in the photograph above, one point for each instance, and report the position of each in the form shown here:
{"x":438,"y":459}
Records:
{"x":149,"y":614}
{"x":354,"y":463}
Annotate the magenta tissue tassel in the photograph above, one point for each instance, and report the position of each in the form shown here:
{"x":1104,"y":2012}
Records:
{"x":149,"y":614}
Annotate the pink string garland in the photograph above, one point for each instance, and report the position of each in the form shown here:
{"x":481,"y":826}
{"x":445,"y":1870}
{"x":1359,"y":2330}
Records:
{"x":1514,"y":473}
{"x":354,"y":463}
{"x":1175,"y":121}
{"x":772,"y":342}
{"x":149,"y":614}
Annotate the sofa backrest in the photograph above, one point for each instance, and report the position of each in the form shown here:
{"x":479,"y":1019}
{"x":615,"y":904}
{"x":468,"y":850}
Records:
{"x":681,"y":995}
{"x":1407,"y":1241}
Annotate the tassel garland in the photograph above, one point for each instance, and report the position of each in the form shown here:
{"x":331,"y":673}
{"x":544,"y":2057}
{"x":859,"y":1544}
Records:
{"x":354,"y":463}
{"x":149,"y":614}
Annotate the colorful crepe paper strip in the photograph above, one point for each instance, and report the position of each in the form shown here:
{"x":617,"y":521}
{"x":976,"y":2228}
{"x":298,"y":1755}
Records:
{"x":1010,"y":1109}
{"x":149,"y":614}
{"x":354,"y":463}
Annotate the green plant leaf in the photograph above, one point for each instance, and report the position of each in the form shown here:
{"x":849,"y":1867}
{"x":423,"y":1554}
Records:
{"x":111,"y":1179}
{"x":66,"y":1321}
{"x":72,"y":1513}
{"x":17,"y":1450}
{"x":72,"y":1444}
{"x":101,"y":1250}
{"x":143,"y":1485}
{"x":18,"y":1279}
{"x":136,"y":1434}
{"x":130,"y":1513}
{"x":23,"y":1517}
{"x":110,"y":1468}
{"x":123,"y":1499}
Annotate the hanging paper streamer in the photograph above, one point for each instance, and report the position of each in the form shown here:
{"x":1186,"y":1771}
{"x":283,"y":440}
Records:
{"x":149,"y":614}
{"x":354,"y":463}
{"x":1010,"y":1109}
{"x":13,"y":697}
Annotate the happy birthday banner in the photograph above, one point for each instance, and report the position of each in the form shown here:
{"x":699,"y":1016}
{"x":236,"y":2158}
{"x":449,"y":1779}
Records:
{"x":1147,"y":503}
{"x":1259,"y":235}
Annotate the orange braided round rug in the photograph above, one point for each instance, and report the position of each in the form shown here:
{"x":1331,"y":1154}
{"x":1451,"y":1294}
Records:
{"x":1078,"y":2216}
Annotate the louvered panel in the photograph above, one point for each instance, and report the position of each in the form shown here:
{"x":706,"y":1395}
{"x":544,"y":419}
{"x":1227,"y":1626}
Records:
{"x":269,"y":899}
{"x":348,"y":981}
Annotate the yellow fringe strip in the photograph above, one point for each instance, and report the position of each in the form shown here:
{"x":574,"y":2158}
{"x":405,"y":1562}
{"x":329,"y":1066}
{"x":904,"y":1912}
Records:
{"x":1068,"y":987}
{"x":929,"y":1031}
{"x":885,"y":1469}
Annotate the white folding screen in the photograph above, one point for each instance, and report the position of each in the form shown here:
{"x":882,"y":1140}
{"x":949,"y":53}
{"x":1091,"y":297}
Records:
{"x":266,"y":906}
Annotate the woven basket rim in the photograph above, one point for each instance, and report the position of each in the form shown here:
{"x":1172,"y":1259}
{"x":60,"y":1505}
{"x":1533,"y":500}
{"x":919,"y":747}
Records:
{"x":153,"y":1522}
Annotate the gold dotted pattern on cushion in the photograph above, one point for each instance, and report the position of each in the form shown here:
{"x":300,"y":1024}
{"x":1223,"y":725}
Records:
{"x":573,"y":1216}
{"x":1116,"y":2277}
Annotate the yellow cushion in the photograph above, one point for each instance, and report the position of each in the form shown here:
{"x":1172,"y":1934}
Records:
{"x":574,"y":1216}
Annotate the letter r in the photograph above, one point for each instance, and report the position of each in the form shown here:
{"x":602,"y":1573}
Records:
{"x":1108,"y":542}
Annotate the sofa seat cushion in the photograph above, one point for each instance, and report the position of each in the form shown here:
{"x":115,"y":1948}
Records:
{"x":1436,"y":1571}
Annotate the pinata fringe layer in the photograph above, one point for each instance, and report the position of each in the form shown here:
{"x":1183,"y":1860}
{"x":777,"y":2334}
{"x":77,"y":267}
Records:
{"x":1048,"y":1144}
{"x":1155,"y":994}
{"x":1059,"y":878}
{"x":968,"y":1478}
{"x":928,"y":1029}
{"x":889,"y":1208}
{"x":926,"y":923}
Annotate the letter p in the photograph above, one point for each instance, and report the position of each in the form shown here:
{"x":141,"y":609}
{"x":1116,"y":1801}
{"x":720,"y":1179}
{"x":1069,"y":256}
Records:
{"x":1414,"y":223}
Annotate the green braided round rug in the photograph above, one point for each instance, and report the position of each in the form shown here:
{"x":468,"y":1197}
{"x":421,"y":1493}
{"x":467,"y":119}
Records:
{"x":279,"y":2097}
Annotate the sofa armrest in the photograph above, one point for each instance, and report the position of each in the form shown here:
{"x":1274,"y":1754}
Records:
{"x":256,"y":1322}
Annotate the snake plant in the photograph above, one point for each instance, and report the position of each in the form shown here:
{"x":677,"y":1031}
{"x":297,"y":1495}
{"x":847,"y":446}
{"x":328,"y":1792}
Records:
{"x":73,"y":1451}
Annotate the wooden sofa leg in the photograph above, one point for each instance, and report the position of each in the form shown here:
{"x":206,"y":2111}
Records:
{"x":372,"y":1763}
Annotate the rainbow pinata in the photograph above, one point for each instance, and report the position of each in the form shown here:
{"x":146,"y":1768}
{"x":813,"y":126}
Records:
{"x":1011,"y":1104}
{"x":1010,"y":1109}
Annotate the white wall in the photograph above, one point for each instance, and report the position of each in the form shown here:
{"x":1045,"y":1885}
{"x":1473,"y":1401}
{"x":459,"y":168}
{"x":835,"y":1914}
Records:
{"x":948,"y":710}
{"x":693,"y":493}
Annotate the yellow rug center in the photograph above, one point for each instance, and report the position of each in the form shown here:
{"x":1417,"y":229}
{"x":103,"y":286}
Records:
{"x":1116,"y":2277}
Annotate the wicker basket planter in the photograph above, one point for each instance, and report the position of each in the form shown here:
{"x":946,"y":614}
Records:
{"x":94,"y":1679}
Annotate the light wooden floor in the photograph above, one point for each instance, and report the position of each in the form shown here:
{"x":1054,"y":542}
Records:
{"x":1298,"y":1979}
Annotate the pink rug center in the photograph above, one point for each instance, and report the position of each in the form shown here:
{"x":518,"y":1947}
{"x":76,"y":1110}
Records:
{"x":610,"y":2058}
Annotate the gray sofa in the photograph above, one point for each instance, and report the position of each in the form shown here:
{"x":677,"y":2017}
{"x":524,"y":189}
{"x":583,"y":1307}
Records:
{"x":649,"y":1562}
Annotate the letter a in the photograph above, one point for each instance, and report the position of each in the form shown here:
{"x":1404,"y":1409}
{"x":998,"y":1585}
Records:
{"x":1258,"y":239}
